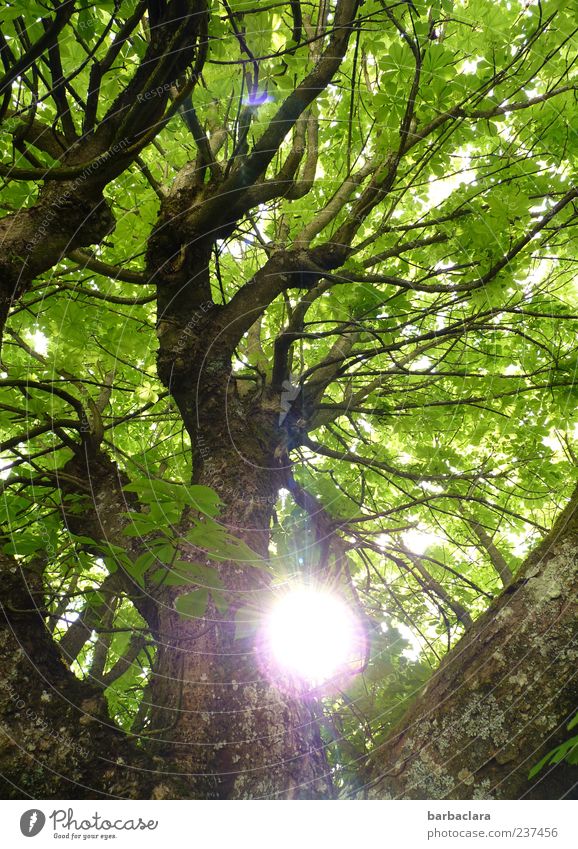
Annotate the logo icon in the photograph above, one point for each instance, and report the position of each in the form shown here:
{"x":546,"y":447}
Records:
{"x":32,"y":822}
{"x":288,"y":394}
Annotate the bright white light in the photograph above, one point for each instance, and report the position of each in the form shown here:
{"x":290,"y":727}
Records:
{"x":313,"y":637}
{"x":39,"y":342}
{"x":470,"y":66}
{"x":421,"y":364}
{"x":419,"y":541}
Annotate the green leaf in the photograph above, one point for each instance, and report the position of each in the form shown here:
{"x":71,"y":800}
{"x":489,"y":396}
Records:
{"x":140,"y":566}
{"x":183,"y":573}
{"x":220,"y":600}
{"x":140,"y":525}
{"x":192,"y":605}
{"x":94,"y":598}
{"x":219,"y":544}
{"x":153,"y":492}
{"x":25,"y":545}
{"x":204,"y":499}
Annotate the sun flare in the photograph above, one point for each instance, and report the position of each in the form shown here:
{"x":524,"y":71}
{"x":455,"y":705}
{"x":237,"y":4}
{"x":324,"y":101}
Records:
{"x":313,"y":637}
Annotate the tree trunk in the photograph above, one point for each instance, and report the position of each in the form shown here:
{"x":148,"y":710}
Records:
{"x":72,"y":213}
{"x":33,"y":240}
{"x":216,"y":712}
{"x":56,"y":739}
{"x":499,"y":701}
{"x":502,"y":697}
{"x":213,"y":709}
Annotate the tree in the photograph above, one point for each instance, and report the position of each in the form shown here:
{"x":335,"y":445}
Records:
{"x":287,"y":296}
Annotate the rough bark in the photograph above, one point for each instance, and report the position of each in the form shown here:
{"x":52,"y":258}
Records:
{"x":216,"y":712}
{"x":66,"y":216}
{"x":213,"y":711}
{"x":71,"y":211}
{"x":100,"y":516}
{"x":502,"y":697}
{"x":499,"y":701}
{"x":56,"y":740}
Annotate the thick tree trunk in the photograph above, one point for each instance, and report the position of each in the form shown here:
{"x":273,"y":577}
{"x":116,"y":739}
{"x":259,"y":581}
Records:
{"x":501,"y":699}
{"x":67,"y":215}
{"x":56,"y":739}
{"x":73,"y":213}
{"x":216,"y":712}
{"x":213,"y":710}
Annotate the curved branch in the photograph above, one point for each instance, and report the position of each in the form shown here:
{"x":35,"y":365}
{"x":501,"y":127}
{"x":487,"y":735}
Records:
{"x":63,"y":14}
{"x":115,"y":272}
